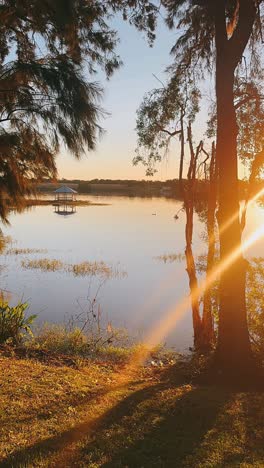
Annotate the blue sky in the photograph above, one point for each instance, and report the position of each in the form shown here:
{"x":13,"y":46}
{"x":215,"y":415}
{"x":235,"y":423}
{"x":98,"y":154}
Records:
{"x":123,"y":95}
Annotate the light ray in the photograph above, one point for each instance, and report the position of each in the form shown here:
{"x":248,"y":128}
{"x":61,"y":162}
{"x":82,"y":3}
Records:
{"x":158,"y":332}
{"x":174,"y":315}
{"x":232,"y":218}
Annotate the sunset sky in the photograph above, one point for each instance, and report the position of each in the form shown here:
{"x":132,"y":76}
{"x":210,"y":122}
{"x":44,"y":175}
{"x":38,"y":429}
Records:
{"x":123,"y":95}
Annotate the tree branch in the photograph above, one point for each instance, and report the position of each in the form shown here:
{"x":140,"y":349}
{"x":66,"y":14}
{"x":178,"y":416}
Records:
{"x":221,"y":39}
{"x":247,"y":99}
{"x":243,"y":30}
{"x":171,"y":134}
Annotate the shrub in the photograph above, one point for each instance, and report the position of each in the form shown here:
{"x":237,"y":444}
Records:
{"x":57,"y":338}
{"x":14,"y":324}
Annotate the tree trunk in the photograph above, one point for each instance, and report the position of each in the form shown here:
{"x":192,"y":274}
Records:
{"x":207,"y":319}
{"x":188,"y":194}
{"x":233,"y":348}
{"x":182,"y":147}
{"x":191,"y":270}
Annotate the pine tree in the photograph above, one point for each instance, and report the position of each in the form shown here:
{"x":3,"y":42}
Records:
{"x":49,"y":54}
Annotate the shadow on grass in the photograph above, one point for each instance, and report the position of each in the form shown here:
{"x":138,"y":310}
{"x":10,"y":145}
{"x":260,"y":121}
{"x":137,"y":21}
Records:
{"x":48,"y":446}
{"x":166,"y":431}
{"x":159,"y":425}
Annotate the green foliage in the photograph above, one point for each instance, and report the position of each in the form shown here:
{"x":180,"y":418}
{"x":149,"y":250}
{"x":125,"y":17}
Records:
{"x":158,"y":119}
{"x":14,"y":324}
{"x":194,"y":58}
{"x":48,"y":54}
{"x":194,"y":48}
{"x":248,"y":100}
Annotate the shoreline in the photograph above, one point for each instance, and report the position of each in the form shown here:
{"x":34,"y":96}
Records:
{"x":44,"y":202}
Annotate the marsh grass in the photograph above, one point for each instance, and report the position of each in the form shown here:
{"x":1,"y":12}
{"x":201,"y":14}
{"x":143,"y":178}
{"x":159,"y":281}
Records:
{"x":91,"y":268}
{"x":5,"y":241}
{"x":170,"y":258}
{"x":95,"y":268}
{"x":16,"y":251}
{"x":77,"y":269}
{"x":43,"y":264}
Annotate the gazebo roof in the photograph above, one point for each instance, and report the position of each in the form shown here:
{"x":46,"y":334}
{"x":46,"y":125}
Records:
{"x":65,"y":189}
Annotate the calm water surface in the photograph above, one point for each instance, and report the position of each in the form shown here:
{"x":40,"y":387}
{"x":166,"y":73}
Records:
{"x":129,"y":233}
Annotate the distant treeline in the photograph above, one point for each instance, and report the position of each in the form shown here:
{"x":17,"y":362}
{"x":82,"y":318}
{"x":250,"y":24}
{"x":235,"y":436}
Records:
{"x":169,"y":188}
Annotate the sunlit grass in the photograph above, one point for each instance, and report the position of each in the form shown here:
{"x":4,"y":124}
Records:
{"x":92,"y":269}
{"x":55,"y":415}
{"x":78,"y":269}
{"x":4,"y":242}
{"x":74,"y":341}
{"x":43,"y":264}
{"x":58,"y":339}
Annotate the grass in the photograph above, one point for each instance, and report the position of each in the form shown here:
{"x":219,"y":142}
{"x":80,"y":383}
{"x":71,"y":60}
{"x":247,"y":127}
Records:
{"x":43,"y":264}
{"x":171,"y":258}
{"x":92,"y":417}
{"x":28,"y":251}
{"x":61,"y":340}
{"x":77,"y":269}
{"x":4,"y":242}
{"x":96,"y":268}
{"x":58,"y":339}
{"x":91,"y":268}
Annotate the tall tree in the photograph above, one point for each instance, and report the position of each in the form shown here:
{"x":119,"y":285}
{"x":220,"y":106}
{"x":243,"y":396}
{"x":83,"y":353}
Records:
{"x":223,"y":29}
{"x":49,"y":52}
{"x":219,"y":36}
{"x":165,"y":114}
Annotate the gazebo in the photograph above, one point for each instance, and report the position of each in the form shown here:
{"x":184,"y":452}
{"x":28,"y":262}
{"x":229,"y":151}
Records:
{"x":65,"y":194}
{"x":64,"y":210}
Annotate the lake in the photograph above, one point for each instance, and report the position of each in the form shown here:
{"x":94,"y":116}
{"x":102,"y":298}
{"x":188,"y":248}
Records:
{"x":128,"y":234}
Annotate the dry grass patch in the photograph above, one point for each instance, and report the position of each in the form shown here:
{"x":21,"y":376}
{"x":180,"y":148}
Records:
{"x":44,"y":264}
{"x":95,"y":268}
{"x":39,"y":401}
{"x":171,"y":258}
{"x":25,"y":251}
{"x":77,"y":269}
{"x":40,"y":404}
{"x":100,"y":415}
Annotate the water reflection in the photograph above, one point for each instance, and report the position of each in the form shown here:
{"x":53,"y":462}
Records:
{"x":64,"y":210}
{"x":120,"y":231}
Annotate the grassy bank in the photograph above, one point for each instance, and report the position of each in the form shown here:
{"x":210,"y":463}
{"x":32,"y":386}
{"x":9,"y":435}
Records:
{"x":93,"y":413}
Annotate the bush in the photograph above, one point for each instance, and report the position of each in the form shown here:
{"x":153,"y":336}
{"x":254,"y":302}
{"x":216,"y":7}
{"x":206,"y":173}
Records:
{"x":73,"y":341}
{"x":57,"y":338}
{"x":14,"y":325}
